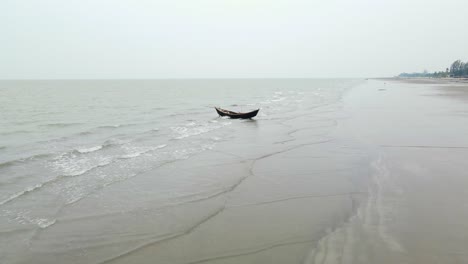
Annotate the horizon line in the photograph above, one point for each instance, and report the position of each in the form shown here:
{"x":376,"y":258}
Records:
{"x":194,"y":78}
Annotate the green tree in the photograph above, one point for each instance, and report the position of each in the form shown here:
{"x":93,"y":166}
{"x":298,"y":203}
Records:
{"x":455,"y":68}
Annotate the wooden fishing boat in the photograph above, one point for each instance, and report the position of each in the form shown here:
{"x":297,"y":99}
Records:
{"x":231,"y":114}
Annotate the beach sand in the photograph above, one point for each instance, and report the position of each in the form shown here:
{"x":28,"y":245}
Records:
{"x":417,"y":209}
{"x":378,"y":176}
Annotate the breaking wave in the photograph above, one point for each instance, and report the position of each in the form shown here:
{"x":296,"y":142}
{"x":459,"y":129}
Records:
{"x":23,"y":160}
{"x":192,"y":129}
{"x":90,"y":149}
{"x":58,"y":125}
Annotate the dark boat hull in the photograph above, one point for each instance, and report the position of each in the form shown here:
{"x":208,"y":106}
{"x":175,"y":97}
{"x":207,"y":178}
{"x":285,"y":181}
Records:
{"x":232,"y":114}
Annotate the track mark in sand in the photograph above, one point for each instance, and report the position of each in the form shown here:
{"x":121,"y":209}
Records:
{"x":217,"y":212}
{"x":254,"y":250}
{"x":290,"y":133}
{"x":182,"y":233}
{"x":424,"y":146}
{"x":299,"y":198}
{"x":161,"y":208}
{"x":160,"y":239}
{"x":292,"y":148}
{"x":284,"y":141}
{"x":228,"y":154}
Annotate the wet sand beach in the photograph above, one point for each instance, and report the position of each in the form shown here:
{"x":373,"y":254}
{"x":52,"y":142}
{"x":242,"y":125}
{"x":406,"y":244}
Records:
{"x":367,"y":172}
{"x":417,"y":208}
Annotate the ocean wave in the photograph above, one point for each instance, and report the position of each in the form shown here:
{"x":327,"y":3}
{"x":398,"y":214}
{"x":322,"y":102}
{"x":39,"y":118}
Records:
{"x":93,"y":130}
{"x":77,"y":167}
{"x":44,"y":222}
{"x":191,"y":113}
{"x":69,"y":166}
{"x":181,"y":154}
{"x":115,"y":126}
{"x":48,"y":113}
{"x":18,"y":194}
{"x":85,"y":133}
{"x":8,"y":133}
{"x":113,"y":142}
{"x":77,"y":162}
{"x":24,"y":218}
{"x":108,"y":126}
{"x":57,"y":125}
{"x":192,"y":130}
{"x":184,"y":132}
{"x":66,"y":170}
{"x":278,"y":99}
{"x":141,"y":152}
{"x":89,"y":150}
{"x":23,"y":160}
{"x":132,"y":155}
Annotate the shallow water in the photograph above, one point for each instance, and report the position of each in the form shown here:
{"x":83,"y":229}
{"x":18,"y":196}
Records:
{"x":143,"y":161}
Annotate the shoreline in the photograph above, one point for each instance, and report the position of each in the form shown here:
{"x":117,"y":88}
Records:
{"x":424,"y":80}
{"x":456,"y":88}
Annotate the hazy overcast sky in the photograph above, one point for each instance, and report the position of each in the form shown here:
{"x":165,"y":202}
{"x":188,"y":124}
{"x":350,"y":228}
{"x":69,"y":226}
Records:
{"x":236,"y":38}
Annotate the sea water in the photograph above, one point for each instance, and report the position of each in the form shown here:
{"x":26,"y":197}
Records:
{"x":64,"y":141}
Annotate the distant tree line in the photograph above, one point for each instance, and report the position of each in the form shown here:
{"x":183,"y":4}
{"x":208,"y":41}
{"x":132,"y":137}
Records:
{"x":457,"y":69}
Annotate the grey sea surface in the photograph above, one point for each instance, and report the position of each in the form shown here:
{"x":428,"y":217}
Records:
{"x":94,"y":171}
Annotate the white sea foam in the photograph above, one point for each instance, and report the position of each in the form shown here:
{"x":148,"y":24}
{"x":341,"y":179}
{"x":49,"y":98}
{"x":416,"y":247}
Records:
{"x":138,"y":151}
{"x":184,"y":132}
{"x":25,"y":218}
{"x":278,"y":99}
{"x":71,"y":165}
{"x":44,"y":222}
{"x":188,"y":152}
{"x":132,"y":155}
{"x":90,"y":149}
